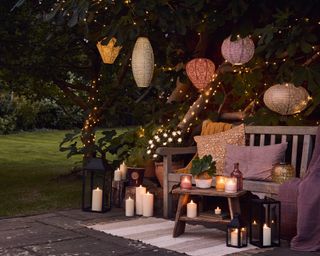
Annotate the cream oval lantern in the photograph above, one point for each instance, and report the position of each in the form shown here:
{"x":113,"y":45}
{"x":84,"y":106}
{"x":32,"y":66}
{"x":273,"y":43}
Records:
{"x":237,"y":52}
{"x":142,"y":62}
{"x":201,"y":72}
{"x":109,"y":52}
{"x":286,"y":99}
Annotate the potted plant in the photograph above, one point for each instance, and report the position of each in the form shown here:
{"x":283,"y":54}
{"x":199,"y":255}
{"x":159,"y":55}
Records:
{"x":203,"y":169}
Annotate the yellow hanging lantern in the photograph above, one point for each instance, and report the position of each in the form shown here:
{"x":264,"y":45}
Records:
{"x":109,"y":52}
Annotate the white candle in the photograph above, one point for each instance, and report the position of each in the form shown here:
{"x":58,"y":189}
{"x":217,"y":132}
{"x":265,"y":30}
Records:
{"x":117,"y":175}
{"x":230,"y":185}
{"x":140,"y":191}
{"x":148,"y":204}
{"x":123,"y":170}
{"x":234,"y":237}
{"x":129,"y":207}
{"x":96,"y":204}
{"x":217,"y":210}
{"x":266,"y":235}
{"x":191,"y":210}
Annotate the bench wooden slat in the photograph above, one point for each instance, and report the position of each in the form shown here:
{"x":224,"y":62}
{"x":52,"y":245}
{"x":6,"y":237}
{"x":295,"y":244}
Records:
{"x":273,"y":139}
{"x":251,"y":140}
{"x":283,"y":138}
{"x":262,"y":138}
{"x":306,"y":154}
{"x":294,"y":130}
{"x":294,"y":150}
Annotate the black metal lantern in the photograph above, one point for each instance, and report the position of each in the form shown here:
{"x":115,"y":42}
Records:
{"x":96,"y":185}
{"x":265,"y":222}
{"x":237,"y":233}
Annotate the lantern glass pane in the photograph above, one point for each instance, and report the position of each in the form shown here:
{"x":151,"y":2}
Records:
{"x":265,"y":223}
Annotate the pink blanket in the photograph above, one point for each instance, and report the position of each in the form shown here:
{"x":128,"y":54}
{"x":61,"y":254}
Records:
{"x":308,"y":204}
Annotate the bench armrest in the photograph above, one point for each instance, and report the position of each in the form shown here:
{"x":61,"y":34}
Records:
{"x":165,"y":151}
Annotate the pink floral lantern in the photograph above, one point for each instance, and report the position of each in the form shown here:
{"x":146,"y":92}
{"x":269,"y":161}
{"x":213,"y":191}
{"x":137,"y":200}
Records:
{"x":237,"y":52}
{"x":201,"y":72}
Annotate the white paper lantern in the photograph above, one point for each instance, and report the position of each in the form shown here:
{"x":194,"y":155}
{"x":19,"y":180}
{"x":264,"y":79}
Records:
{"x":109,"y":52}
{"x":237,"y":52}
{"x":142,"y":62}
{"x":286,"y":99}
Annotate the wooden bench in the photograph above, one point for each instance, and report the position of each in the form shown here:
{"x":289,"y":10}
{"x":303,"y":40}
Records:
{"x":300,"y":147}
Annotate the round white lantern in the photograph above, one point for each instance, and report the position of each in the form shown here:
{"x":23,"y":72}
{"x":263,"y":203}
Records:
{"x":142,"y":62}
{"x":237,"y":52}
{"x":286,"y":99}
{"x":109,"y":52}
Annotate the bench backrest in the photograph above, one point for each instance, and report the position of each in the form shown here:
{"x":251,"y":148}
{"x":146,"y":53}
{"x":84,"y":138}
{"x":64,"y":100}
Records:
{"x":300,"y":142}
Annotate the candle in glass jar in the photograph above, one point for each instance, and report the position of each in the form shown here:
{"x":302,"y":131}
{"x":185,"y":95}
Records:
{"x":220,"y":183}
{"x":191,"y":210}
{"x":231,"y":185}
{"x":186,"y":181}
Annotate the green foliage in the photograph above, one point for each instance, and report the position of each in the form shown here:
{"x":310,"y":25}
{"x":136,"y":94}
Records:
{"x":203,"y":165}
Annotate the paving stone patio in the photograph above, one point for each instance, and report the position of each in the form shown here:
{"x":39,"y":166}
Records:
{"x":64,"y":233}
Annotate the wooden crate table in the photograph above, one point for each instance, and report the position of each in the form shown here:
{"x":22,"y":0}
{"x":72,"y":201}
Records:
{"x":184,"y":196}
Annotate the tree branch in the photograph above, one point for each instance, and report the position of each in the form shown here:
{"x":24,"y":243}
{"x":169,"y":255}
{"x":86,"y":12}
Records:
{"x":76,"y":99}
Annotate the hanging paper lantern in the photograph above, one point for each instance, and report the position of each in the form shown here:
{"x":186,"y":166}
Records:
{"x":286,"y":99}
{"x":142,"y":62}
{"x":237,"y":52}
{"x":201,"y":72}
{"x":109,"y":52}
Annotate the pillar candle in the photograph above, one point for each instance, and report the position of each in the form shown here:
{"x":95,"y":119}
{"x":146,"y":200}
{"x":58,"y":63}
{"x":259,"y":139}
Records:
{"x":117,"y":175}
{"x":230,"y":185}
{"x":220,"y":183}
{"x":217,"y":210}
{"x":243,"y":236}
{"x":191,"y":210}
{"x":234,"y":237}
{"x":266,"y":235}
{"x":129,"y":207}
{"x":123,"y":170}
{"x":96,"y":200}
{"x":140,"y":191}
{"x":148,"y":204}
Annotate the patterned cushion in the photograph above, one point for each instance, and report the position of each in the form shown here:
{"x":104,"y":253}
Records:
{"x":215,"y":145}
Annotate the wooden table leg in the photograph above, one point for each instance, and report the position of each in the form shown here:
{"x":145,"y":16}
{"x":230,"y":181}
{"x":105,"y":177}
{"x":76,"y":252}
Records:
{"x":179,"y":225}
{"x":234,"y":206}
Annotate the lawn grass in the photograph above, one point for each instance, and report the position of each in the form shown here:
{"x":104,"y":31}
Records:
{"x":33,"y":174}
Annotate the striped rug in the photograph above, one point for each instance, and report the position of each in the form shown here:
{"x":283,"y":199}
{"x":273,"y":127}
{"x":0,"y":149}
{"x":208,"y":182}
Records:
{"x":196,"y":241}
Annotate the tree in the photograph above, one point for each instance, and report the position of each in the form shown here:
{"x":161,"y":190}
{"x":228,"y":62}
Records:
{"x":285,"y":34}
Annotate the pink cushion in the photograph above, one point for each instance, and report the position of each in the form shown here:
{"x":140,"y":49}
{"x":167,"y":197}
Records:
{"x":255,"y":162}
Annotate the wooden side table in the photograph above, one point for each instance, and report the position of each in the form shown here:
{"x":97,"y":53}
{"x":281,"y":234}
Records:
{"x":181,"y":218}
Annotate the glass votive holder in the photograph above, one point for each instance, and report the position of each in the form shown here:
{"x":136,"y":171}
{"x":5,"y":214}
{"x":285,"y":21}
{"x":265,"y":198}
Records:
{"x":230,"y":185}
{"x":220,"y":183}
{"x":186,"y":181}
